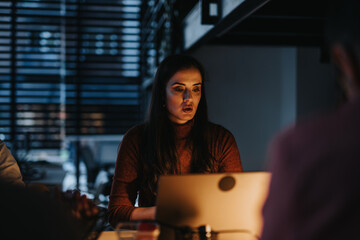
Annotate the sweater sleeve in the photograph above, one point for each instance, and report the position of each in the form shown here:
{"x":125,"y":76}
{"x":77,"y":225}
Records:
{"x":125,"y":183}
{"x":9,"y":169}
{"x":227,"y":152}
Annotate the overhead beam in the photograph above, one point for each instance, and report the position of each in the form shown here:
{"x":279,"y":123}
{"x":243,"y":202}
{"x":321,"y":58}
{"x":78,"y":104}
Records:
{"x":233,"y":12}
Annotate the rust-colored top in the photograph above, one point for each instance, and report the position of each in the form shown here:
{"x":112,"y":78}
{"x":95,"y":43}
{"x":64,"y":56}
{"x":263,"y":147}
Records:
{"x":126,"y":178}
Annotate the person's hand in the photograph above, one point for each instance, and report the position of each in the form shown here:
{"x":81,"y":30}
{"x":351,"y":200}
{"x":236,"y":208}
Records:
{"x":80,"y":205}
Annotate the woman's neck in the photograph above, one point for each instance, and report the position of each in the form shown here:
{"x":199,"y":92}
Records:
{"x":182,"y":130}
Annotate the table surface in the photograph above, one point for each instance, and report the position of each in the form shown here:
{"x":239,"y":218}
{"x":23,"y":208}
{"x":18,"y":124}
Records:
{"x":108,"y":235}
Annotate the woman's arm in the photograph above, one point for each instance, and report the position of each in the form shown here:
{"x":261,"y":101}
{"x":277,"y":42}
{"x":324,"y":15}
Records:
{"x":125,"y":182}
{"x":143,"y":213}
{"x":228,"y":152}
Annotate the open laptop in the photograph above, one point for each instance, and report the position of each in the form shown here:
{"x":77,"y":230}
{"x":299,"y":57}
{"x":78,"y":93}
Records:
{"x":230,"y":203}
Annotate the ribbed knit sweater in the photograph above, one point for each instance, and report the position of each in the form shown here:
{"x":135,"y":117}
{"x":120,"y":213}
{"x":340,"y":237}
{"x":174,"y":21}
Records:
{"x":125,"y":186}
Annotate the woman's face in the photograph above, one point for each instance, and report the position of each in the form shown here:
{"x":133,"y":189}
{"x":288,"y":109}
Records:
{"x":183,"y":93}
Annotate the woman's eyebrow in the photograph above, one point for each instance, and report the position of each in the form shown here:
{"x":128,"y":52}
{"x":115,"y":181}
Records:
{"x":179,"y":83}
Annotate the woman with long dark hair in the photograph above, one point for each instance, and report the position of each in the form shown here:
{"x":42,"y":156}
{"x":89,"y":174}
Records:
{"x":176,"y":138}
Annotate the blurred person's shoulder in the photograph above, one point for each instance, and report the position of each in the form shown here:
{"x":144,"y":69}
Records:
{"x":340,"y":122}
{"x":319,"y":138}
{"x":5,"y":154}
{"x":9,"y":168}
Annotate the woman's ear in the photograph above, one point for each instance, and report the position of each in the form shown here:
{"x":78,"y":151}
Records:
{"x":346,"y":66}
{"x":342,"y":61}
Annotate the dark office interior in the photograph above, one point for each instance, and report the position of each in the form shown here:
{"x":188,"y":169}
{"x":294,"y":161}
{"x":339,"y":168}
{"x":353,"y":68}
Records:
{"x":75,"y":75}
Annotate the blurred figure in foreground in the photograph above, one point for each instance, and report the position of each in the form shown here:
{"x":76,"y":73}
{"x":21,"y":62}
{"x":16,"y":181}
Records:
{"x":79,"y":205}
{"x":9,"y":169}
{"x":33,"y":211}
{"x":315,"y":189}
{"x":28,"y":214}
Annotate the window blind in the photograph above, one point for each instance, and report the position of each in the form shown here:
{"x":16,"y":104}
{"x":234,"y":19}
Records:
{"x":68,"y":67}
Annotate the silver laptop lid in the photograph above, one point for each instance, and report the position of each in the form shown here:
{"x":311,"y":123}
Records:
{"x":225,"y":201}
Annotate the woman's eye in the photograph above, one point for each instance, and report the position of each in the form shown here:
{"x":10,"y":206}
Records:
{"x":196,"y":90}
{"x":178,"y":89}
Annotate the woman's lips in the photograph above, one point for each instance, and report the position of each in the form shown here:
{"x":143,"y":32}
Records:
{"x":187,"y":109}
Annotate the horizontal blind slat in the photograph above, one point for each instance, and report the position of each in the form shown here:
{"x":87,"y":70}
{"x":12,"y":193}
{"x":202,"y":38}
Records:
{"x":93,"y":45}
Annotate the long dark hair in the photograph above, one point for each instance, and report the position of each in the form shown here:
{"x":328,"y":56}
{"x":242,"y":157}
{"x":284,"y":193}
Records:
{"x":158,"y":153}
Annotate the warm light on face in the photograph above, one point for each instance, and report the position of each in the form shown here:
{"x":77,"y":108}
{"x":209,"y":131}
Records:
{"x":183,"y":94}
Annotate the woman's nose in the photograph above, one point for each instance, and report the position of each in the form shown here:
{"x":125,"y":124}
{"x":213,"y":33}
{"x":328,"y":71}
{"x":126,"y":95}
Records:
{"x":187,"y":95}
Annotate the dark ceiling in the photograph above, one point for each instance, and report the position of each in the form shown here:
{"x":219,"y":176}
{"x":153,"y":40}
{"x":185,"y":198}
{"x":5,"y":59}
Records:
{"x":267,"y":22}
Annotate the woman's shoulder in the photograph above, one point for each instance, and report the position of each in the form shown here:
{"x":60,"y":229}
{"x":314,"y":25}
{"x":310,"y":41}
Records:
{"x":136,"y":129}
{"x":134,"y":132}
{"x":215,"y":128}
